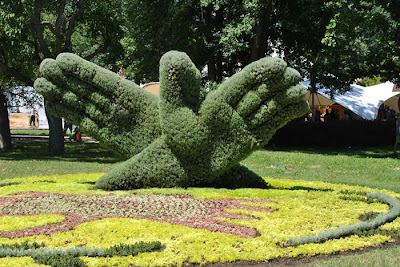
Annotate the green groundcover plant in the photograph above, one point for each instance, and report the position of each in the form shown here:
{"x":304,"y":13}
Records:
{"x":70,"y":257}
{"x":175,"y":140}
{"x":64,"y":220}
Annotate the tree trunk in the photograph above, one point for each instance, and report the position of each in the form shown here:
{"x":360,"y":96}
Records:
{"x":5,"y":135}
{"x":259,"y":45}
{"x":56,"y":141}
{"x":219,"y":70}
{"x":212,"y":71}
{"x":313,"y":92}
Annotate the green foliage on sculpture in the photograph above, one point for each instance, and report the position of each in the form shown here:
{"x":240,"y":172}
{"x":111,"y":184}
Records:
{"x":183,"y":142}
{"x":113,"y":110}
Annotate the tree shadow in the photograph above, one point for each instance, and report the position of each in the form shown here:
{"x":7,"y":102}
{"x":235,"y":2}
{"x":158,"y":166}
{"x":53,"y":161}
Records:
{"x":304,"y":188}
{"x":362,"y":152}
{"x":76,"y":152}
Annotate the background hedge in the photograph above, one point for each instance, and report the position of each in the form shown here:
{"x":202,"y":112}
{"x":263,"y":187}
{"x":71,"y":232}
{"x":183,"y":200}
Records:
{"x":343,"y":133}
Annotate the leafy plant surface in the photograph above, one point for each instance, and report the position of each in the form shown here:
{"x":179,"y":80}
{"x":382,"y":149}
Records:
{"x":194,"y":225}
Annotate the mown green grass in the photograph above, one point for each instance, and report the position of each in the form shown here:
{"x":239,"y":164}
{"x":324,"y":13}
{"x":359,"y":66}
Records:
{"x":33,"y":159}
{"x":36,"y":132}
{"x":373,"y":167}
{"x":389,"y":257}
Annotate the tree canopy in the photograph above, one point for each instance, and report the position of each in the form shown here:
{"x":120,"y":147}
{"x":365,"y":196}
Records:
{"x":31,"y":31}
{"x":330,"y":42}
{"x":372,"y":29}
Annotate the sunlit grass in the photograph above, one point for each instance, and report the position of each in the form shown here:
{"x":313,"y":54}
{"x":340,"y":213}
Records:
{"x":372,"y":167}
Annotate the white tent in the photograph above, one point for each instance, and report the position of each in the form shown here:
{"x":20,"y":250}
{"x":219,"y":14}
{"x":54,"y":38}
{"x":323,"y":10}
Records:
{"x":19,"y":103}
{"x":319,"y":100}
{"x":363,"y":101}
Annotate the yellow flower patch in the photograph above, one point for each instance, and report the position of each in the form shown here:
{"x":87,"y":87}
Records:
{"x":301,"y":208}
{"x":13,"y":223}
{"x":22,"y":261}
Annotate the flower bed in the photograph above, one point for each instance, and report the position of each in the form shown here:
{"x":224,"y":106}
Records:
{"x":194,"y":225}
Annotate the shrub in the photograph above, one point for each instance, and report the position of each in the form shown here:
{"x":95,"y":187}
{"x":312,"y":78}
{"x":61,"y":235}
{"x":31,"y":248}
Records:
{"x":69,"y":257}
{"x":132,"y":249}
{"x":22,"y":246}
{"x":176,"y":140}
{"x":9,"y":183}
{"x":59,"y":260}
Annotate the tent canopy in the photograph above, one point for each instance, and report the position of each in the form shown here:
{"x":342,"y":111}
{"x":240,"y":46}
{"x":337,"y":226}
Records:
{"x":319,"y":100}
{"x":363,"y":101}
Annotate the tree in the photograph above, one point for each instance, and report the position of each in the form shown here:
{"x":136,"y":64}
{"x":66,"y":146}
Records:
{"x":307,"y":44}
{"x":155,"y":27}
{"x":222,"y":35}
{"x":374,"y":26}
{"x":5,"y":136}
{"x":33,"y":30}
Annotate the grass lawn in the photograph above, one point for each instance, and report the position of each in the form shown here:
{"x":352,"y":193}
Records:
{"x":36,"y":132}
{"x":371,"y":167}
{"x":388,"y":257}
{"x":33,"y":159}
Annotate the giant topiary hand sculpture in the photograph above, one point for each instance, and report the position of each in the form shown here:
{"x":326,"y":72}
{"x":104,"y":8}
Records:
{"x":113,"y":110}
{"x":191,"y":143}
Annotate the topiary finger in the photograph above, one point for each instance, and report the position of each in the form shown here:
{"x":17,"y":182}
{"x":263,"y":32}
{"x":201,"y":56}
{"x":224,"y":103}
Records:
{"x":97,"y":115}
{"x":105,"y":81}
{"x":52,"y":72}
{"x":271,"y":88}
{"x":263,"y":71}
{"x":67,"y":86}
{"x":48,"y":89}
{"x":249,"y":104}
{"x":58,"y":109}
{"x":289,"y":78}
{"x":264,"y":132}
{"x":294,"y":94}
{"x":180,"y":82}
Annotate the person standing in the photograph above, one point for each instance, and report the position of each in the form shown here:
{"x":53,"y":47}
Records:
{"x":397,"y":134}
{"x":67,"y":125}
{"x":32,"y":118}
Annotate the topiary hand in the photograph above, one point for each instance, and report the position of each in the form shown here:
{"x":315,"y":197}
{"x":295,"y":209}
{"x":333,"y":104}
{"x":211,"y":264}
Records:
{"x":113,"y":110}
{"x":201,"y":142}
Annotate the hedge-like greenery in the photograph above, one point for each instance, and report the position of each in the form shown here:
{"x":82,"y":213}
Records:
{"x":184,"y":142}
{"x":342,"y":231}
{"x":9,"y":183}
{"x":340,"y":133}
{"x":69,"y":257}
{"x":113,"y":110}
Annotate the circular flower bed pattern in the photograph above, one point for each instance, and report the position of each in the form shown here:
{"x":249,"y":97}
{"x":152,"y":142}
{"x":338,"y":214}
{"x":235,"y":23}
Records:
{"x":197,"y":225}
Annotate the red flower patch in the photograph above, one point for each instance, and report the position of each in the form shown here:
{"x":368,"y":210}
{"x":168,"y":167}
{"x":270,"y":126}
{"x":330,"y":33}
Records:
{"x":178,"y":209}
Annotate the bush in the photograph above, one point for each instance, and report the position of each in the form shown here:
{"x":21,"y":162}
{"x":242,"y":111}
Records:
{"x":70,"y":257}
{"x":178,"y":139}
{"x":59,"y":261}
{"x":132,"y":249}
